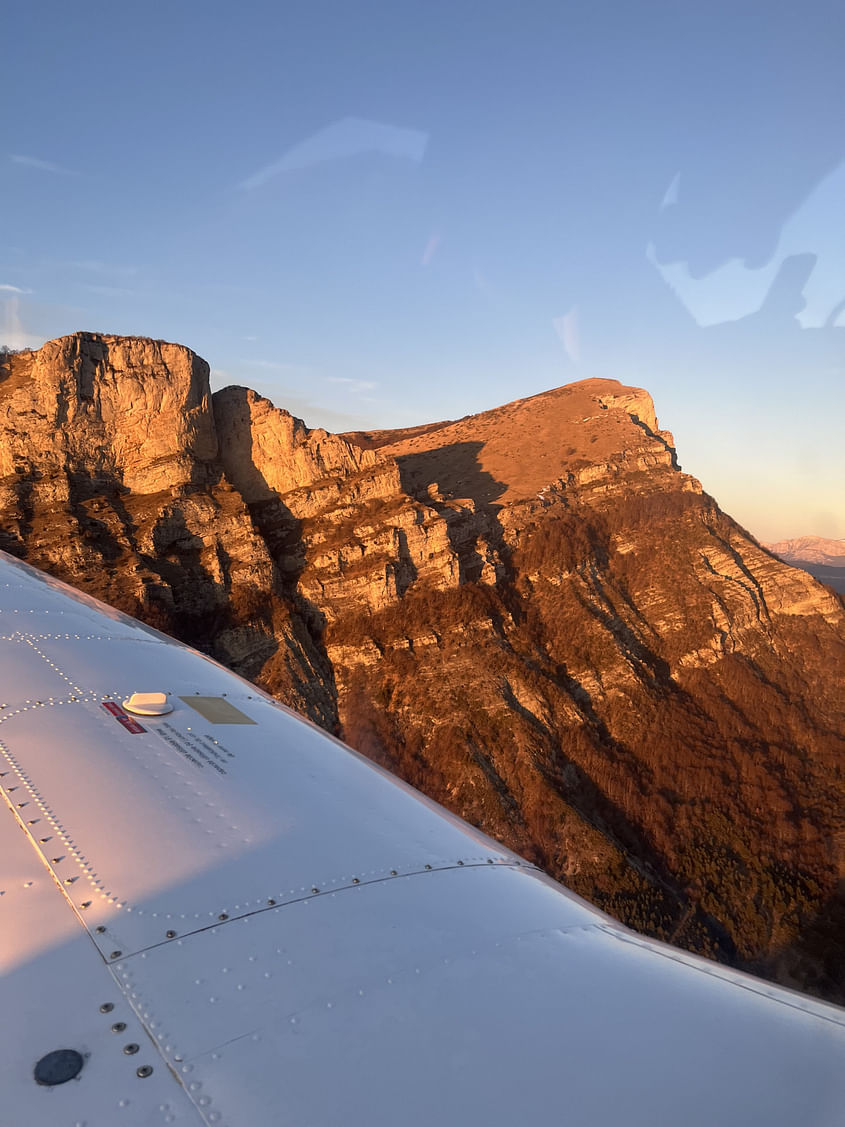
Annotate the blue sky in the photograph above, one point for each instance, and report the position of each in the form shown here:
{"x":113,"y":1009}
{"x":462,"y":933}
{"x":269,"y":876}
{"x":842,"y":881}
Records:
{"x":384,"y":213}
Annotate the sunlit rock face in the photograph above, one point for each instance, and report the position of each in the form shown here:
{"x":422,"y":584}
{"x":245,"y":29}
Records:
{"x":109,"y":478}
{"x":104,"y":405}
{"x":532,"y":614}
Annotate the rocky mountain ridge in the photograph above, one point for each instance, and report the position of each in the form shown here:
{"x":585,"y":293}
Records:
{"x":532,"y":614}
{"x":811,"y":549}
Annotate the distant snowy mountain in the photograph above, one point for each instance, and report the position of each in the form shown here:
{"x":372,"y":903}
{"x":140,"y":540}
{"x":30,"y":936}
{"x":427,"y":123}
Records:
{"x":531,"y":613}
{"x":810,"y":549}
{"x":823,"y":559}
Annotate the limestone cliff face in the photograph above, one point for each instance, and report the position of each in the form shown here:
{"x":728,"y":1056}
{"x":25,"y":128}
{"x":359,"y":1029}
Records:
{"x":531,"y":614}
{"x":86,"y":404}
{"x":336,"y":512}
{"x":267,"y":452}
{"x":109,"y":478}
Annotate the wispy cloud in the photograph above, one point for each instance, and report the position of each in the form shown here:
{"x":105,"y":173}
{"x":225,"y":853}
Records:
{"x":13,"y":289}
{"x":430,"y":250}
{"x":672,"y":193}
{"x":12,"y":331}
{"x":276,"y":366}
{"x":41,"y":165}
{"x":111,"y":291}
{"x":355,"y":386}
{"x":318,"y":414}
{"x":566,"y":328}
{"x":95,"y":266}
{"x":349,"y":137}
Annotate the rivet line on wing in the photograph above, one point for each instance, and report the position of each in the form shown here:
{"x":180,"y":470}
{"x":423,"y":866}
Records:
{"x":304,"y":895}
{"x":132,"y":980}
{"x":43,"y":835}
{"x":52,"y":636}
{"x":78,"y":697}
{"x":53,"y":666}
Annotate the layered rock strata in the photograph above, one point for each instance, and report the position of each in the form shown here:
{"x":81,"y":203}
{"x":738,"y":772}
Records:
{"x":531,"y":614}
{"x":110,"y":479}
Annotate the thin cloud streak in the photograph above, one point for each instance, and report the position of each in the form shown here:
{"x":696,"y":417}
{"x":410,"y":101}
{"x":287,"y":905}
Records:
{"x":566,"y":328}
{"x":349,"y":137}
{"x":14,"y":289}
{"x":275,"y":366}
{"x":355,"y":386}
{"x":430,"y":250}
{"x":97,"y":267}
{"x":111,"y":291}
{"x":41,"y":165}
{"x":12,"y":331}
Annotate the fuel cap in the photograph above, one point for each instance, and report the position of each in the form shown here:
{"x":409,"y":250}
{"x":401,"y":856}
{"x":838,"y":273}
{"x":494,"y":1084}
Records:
{"x":148,"y":704}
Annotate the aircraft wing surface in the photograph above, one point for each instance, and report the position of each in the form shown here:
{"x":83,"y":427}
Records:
{"x":221,"y":915}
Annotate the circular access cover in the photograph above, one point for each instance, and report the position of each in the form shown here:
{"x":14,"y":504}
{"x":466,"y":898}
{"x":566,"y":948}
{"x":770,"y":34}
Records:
{"x":58,"y":1067}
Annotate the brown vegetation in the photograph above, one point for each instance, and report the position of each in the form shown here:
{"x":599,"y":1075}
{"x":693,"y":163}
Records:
{"x":533,"y":616}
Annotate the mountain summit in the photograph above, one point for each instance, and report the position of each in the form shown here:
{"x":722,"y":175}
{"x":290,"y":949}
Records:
{"x":532,"y":614}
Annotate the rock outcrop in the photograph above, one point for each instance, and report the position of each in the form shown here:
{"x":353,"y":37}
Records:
{"x":85,"y":405}
{"x":110,"y":479}
{"x":531,"y":614}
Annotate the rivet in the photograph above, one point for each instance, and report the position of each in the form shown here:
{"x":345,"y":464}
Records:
{"x":85,"y":904}
{"x":99,"y":929}
{"x":144,"y":1071}
{"x":170,"y":934}
{"x":106,"y":1007}
{"x":394,"y":873}
{"x":131,"y":1049}
{"x":118,"y":1027}
{"x":355,"y":880}
{"x":489,"y":860}
{"x":271,"y":902}
{"x":428,"y":867}
{"x":115,"y":954}
{"x":315,"y":890}
{"x":460,"y":862}
{"x":223,"y":916}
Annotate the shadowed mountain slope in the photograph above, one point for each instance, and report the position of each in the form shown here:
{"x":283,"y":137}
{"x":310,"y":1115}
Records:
{"x":531,"y":614}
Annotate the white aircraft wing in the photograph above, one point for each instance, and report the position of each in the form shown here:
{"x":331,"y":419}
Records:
{"x":221,"y":915}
